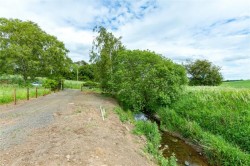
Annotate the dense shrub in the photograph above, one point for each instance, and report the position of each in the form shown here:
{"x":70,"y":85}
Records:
{"x":144,"y":80}
{"x":51,"y":84}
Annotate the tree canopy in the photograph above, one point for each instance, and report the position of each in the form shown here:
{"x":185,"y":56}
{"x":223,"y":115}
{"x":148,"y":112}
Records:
{"x":144,"y":80}
{"x":141,"y":80}
{"x":104,"y":51}
{"x":29,"y":51}
{"x":203,"y":72}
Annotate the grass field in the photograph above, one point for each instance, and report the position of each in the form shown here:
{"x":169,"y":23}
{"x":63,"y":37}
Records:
{"x":237,"y":84}
{"x":7,"y":91}
{"x":218,"y":118}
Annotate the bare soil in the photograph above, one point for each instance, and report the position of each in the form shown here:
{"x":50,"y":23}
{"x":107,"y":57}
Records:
{"x":76,"y":135}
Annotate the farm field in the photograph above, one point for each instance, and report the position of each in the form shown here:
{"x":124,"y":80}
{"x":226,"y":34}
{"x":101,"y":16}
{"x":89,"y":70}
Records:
{"x":218,"y":118}
{"x":237,"y":84}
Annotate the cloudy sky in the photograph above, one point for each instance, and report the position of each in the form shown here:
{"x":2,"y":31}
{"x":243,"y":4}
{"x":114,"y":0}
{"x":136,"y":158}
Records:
{"x":217,"y":30}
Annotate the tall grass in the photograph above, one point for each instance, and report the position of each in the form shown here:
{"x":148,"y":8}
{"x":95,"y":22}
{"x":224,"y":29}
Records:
{"x":218,"y":118}
{"x":70,"y":84}
{"x":7,"y":91}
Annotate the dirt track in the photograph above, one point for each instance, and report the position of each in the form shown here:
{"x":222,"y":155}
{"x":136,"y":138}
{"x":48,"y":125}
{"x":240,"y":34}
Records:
{"x":66,"y":128}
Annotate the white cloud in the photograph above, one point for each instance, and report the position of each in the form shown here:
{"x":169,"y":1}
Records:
{"x":217,"y":30}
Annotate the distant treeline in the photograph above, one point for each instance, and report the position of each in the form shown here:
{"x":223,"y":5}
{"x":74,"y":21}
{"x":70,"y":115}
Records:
{"x":232,"y":80}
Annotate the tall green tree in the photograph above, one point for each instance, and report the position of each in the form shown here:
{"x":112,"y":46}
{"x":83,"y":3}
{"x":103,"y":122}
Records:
{"x":30,"y":51}
{"x":104,"y":51}
{"x":203,"y":72}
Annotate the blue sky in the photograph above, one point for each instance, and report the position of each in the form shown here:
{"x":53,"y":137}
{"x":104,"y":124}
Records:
{"x":217,"y":30}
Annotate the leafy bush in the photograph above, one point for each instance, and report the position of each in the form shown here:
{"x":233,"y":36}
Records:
{"x":91,"y":84}
{"x":144,"y":80}
{"x":51,"y":84}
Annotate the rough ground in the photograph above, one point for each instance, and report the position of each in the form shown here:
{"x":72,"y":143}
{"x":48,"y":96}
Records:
{"x":66,"y":128}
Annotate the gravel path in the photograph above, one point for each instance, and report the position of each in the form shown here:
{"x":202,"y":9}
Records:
{"x":16,"y":122}
{"x":67,"y":128}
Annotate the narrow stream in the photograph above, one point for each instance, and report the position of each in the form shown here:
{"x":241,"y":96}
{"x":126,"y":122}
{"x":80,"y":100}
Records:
{"x":186,"y":154}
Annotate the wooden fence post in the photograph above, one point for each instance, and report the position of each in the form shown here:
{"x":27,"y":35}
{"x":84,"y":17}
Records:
{"x":28,"y":94}
{"x":14,"y":96}
{"x":61,"y":84}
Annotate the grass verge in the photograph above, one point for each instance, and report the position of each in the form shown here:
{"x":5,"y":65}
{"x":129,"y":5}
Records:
{"x":7,"y":93}
{"x":151,"y":132}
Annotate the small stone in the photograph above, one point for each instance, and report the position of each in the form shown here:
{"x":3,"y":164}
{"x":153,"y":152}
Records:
{"x":186,"y":163}
{"x":68,"y":157}
{"x":175,"y":140}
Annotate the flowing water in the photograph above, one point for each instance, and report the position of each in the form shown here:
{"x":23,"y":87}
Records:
{"x":185,"y":153}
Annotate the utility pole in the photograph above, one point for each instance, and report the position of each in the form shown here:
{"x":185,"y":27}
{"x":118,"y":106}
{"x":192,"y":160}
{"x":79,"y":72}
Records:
{"x":77,"y":73}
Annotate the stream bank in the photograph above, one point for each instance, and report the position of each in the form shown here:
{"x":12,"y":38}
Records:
{"x":186,"y":153}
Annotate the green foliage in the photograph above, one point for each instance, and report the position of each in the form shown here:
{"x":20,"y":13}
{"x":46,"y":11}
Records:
{"x":29,"y":51}
{"x":51,"y":84}
{"x":86,"y":72}
{"x":219,"y":151}
{"x":152,"y":133}
{"x":221,"y":111}
{"x":143,"y":80}
{"x":11,"y":79}
{"x":80,"y":71}
{"x":104,"y":51}
{"x":236,"y":84}
{"x":218,"y":118}
{"x":91,"y":84}
{"x":203,"y":72}
{"x":124,"y":116}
